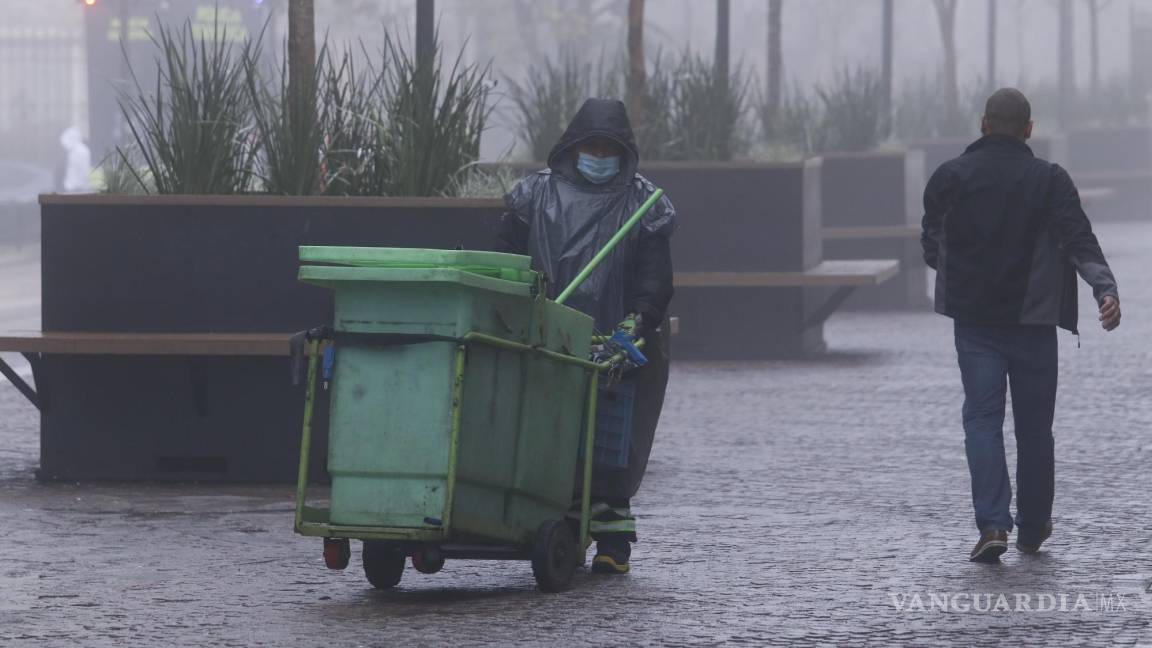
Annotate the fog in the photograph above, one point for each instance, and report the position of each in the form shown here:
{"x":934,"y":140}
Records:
{"x":820,"y":37}
{"x":43,"y":58}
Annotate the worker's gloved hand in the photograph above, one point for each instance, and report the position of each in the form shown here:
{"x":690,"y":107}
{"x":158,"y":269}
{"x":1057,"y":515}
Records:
{"x":620,"y":348}
{"x":623,"y":341}
{"x":632,"y":325}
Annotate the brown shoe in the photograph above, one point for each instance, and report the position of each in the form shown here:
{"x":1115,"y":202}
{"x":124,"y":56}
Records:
{"x":1031,"y":544}
{"x":992,"y":545}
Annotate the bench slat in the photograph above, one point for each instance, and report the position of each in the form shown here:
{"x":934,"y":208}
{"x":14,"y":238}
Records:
{"x":829,"y":274}
{"x":184,"y":344}
{"x":872,"y":232}
{"x":1093,"y":194}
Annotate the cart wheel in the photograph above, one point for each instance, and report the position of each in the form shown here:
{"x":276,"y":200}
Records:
{"x":554,"y":556}
{"x":428,"y":559}
{"x":383,"y":564}
{"x":337,"y":552}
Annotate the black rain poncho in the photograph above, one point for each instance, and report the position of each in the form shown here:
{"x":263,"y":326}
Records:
{"x":561,"y":220}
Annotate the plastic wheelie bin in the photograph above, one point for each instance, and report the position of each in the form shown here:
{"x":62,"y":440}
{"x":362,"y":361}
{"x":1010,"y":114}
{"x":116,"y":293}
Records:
{"x":458,"y":394}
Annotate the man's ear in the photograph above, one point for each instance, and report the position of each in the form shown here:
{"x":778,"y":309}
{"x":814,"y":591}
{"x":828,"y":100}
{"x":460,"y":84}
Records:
{"x":984,"y":125}
{"x":1027,"y":134}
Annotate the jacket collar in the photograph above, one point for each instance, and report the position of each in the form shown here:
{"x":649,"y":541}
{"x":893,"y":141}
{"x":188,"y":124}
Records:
{"x":1000,"y":142}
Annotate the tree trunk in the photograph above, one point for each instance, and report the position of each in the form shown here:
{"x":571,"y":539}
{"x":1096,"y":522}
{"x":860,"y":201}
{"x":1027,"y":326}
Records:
{"x":529,"y":27}
{"x":991,"y":74}
{"x":888,"y":32}
{"x":1094,"y":44}
{"x":425,"y":33}
{"x":723,"y":27}
{"x":946,"y":12}
{"x":636,"y":72}
{"x":1067,"y":63}
{"x":301,"y":54}
{"x":775,"y":55}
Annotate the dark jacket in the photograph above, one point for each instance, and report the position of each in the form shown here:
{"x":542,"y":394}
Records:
{"x":561,"y":220}
{"x":1007,"y":235}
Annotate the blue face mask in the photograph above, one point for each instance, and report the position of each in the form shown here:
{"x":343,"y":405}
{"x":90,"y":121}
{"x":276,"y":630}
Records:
{"x":598,"y":170}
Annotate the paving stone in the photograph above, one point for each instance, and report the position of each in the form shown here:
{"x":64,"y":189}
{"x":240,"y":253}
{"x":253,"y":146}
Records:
{"x":787,"y":503}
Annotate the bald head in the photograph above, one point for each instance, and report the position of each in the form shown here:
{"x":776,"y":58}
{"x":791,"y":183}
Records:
{"x":1008,"y":113}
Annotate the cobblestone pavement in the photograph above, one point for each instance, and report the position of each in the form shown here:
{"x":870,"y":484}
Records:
{"x":816,"y":502}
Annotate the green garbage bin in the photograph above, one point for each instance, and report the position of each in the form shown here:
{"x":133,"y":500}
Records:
{"x":457,"y":397}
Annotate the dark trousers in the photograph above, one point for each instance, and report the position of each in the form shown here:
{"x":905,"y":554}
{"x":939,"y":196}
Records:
{"x":992,"y":360}
{"x":615,"y":487}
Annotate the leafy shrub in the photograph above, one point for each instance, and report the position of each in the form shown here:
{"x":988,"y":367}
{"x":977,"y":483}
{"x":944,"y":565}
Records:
{"x":123,"y":173}
{"x":484,"y":181}
{"x":291,"y":135}
{"x":851,"y":110}
{"x":354,"y":162}
{"x":547,"y":99}
{"x":1117,"y":103}
{"x":706,"y":112}
{"x":921,"y":112}
{"x":193,"y":133}
{"x":690,"y":112}
{"x":217,"y":125}
{"x":787,"y":131}
{"x":434,"y":121}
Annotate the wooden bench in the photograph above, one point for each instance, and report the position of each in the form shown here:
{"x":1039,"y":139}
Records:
{"x":162,"y":406}
{"x":842,"y":276}
{"x":1095,"y":194}
{"x":33,"y":344}
{"x":871,"y":232}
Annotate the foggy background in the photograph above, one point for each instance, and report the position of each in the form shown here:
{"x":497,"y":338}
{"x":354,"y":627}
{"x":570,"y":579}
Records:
{"x":43,"y":86}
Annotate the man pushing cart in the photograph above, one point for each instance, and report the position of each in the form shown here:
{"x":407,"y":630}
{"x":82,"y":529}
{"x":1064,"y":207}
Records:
{"x":463,"y":391}
{"x":561,"y":216}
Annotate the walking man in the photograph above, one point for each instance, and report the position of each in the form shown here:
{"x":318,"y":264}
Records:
{"x":1007,"y":235}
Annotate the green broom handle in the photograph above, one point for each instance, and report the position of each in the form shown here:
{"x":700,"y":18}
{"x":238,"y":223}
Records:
{"x":603,"y":254}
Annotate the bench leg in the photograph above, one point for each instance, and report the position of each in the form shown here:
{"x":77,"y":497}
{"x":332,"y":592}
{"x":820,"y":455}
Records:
{"x":19,"y":383}
{"x":834,"y":301}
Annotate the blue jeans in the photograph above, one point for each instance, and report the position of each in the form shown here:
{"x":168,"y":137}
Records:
{"x":992,"y":358}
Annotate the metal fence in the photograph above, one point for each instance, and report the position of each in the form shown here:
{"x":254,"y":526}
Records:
{"x":43,"y":84}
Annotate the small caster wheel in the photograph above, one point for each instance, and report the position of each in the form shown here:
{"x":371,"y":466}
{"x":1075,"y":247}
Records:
{"x":428,"y":559}
{"x":383,"y":564}
{"x":337,"y":552}
{"x":554,"y":556}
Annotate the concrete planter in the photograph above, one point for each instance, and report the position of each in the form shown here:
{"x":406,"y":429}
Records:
{"x":877,"y":190}
{"x":744,"y":217}
{"x":1103,"y":150}
{"x":741,"y":217}
{"x":201,"y":264}
{"x":1118,"y":160}
{"x":1053,"y":148}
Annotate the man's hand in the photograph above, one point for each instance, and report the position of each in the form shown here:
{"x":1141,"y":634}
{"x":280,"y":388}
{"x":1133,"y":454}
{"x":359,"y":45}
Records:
{"x":1110,"y":313}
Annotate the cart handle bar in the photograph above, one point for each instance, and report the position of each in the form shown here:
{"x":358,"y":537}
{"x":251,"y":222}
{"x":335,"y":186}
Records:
{"x":559,"y":357}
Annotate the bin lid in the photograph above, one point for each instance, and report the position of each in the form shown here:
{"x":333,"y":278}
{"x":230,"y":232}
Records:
{"x":498,"y":265}
{"x":334,"y":276}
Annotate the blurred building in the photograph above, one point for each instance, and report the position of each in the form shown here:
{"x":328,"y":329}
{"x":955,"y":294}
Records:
{"x":43,"y":89}
{"x":120,"y":52}
{"x":63,"y":63}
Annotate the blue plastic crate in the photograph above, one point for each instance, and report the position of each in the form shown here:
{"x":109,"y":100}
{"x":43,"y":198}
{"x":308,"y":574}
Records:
{"x":614,"y":409}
